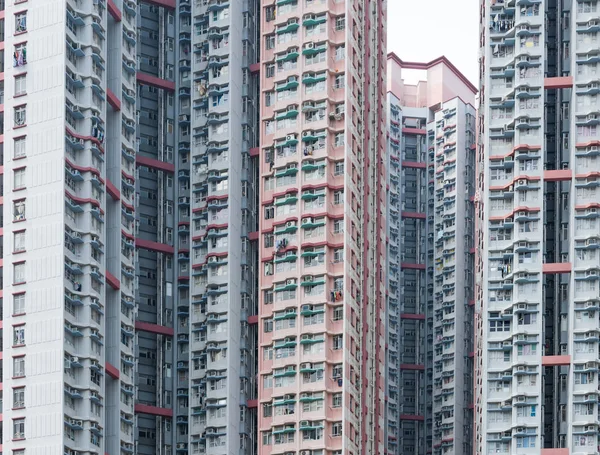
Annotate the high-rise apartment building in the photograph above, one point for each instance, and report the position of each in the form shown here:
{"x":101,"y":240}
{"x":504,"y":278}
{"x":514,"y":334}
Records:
{"x":537,"y":300}
{"x":133,"y":301}
{"x":430,"y":230}
{"x":224,"y":138}
{"x":322,"y":227}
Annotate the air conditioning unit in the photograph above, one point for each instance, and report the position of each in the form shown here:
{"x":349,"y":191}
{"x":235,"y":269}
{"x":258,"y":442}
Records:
{"x":288,"y":340}
{"x":307,"y":133}
{"x":308,"y":221}
{"x":520,"y":430}
{"x":290,"y":224}
{"x":522,"y":182}
{"x":181,"y":445}
{"x":522,"y":213}
{"x":304,"y":423}
{"x":308,"y":278}
{"x":292,"y":79}
{"x":309,"y":46}
{"x":305,"y":366}
{"x":521,"y":368}
{"x":507,"y":343}
{"x":306,"y":307}
{"x":594,"y":148}
{"x":521,"y":337}
{"x":521,"y":399}
{"x":288,"y":396}
{"x":213,"y":259}
{"x":210,"y":430}
{"x":310,"y":17}
{"x":307,"y":336}
{"x":290,"y":137}
{"x":74,"y":359}
{"x":590,"y":428}
{"x":292,"y":107}
{"x":305,"y":452}
{"x":522,"y":306}
{"x":290,"y":281}
{"x":305,"y":395}
{"x":293,"y":20}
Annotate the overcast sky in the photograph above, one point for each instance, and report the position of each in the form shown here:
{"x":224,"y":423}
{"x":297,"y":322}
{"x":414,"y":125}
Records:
{"x":422,"y":30}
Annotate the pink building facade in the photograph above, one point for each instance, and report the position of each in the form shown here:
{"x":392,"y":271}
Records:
{"x":322,"y":228}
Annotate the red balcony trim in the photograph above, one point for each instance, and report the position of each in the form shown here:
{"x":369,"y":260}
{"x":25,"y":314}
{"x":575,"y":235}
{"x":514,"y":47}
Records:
{"x":155,"y":164}
{"x":255,"y":68}
{"x":587,"y":144}
{"x":554,"y":451}
{"x":471,"y":302}
{"x":113,"y":10}
{"x":153,"y":410}
{"x":253,"y":319}
{"x":112,"y":190}
{"x":154,"y":328}
{"x":414,"y":164}
{"x":153,"y":81}
{"x":558,"y":82}
{"x":154,"y":246}
{"x":411,"y":366}
{"x":518,"y":209}
{"x":128,"y":235}
{"x":253,"y":235}
{"x":472,"y":250}
{"x":557,"y":176}
{"x":112,"y":99}
{"x":409,"y":265}
{"x":112,"y":371}
{"x":556,"y":360}
{"x":252,"y":404}
{"x":217,"y":198}
{"x":417,"y":215}
{"x":128,"y":206}
{"x":254,"y":151}
{"x":515,"y":148}
{"x":112,"y":281}
{"x":414,"y":131}
{"x":412,"y":417}
{"x":81,"y":200}
{"x":559,"y":267}
{"x":511,"y":182}
{"x":86,"y":138}
{"x":415,"y":316}
{"x":93,"y":170}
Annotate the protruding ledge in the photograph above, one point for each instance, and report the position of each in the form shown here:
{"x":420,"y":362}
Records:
{"x":556,"y":360}
{"x":558,"y":267}
{"x":558,"y":82}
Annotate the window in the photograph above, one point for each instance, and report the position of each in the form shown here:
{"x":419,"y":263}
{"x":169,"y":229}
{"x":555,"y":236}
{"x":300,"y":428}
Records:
{"x":19,"y":210}
{"x":336,"y":429}
{"x":19,"y":335}
{"x":19,"y":397}
{"x":340,"y":23}
{"x":18,"y":367}
{"x":18,"y":304}
{"x":19,"y":428}
{"x":19,"y":179}
{"x":336,"y":400}
{"x":20,"y":115}
{"x":21,"y":22}
{"x":20,"y":85}
{"x":338,"y":197}
{"x":338,"y":313}
{"x":270,"y":42}
{"x":19,"y":273}
{"x":340,"y":81}
{"x":338,"y":226}
{"x":338,"y":342}
{"x":19,"y":146}
{"x":19,"y":452}
{"x":339,"y":139}
{"x":20,"y":55}
{"x":19,"y":242}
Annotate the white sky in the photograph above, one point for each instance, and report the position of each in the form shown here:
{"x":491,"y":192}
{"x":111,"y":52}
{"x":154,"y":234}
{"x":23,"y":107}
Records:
{"x":422,"y":30}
